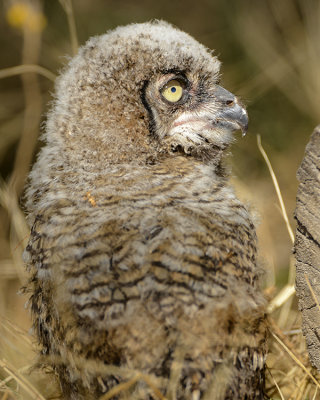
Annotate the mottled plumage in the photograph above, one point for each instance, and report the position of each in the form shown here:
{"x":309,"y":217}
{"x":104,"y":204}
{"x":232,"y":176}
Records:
{"x":140,"y":254}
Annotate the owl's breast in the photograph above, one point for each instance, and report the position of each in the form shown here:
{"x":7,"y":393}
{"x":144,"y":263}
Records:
{"x":167,"y":253}
{"x":169,"y":240}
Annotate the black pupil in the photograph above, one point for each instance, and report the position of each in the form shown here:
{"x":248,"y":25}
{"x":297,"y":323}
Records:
{"x":173,"y":89}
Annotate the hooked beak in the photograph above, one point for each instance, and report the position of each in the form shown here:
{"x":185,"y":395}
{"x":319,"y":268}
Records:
{"x":212,"y":123}
{"x":232,"y":114}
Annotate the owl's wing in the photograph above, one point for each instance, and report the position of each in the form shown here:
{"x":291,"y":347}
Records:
{"x":104,"y":272}
{"x":141,"y":285}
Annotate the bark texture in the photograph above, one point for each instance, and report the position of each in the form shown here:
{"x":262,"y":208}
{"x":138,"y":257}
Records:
{"x":307,"y":246}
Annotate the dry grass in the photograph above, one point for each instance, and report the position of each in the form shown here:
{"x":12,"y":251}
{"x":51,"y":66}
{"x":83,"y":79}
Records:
{"x":289,"y":374}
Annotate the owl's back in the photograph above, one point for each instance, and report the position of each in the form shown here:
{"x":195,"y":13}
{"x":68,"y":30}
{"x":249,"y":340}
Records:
{"x":153,"y":271}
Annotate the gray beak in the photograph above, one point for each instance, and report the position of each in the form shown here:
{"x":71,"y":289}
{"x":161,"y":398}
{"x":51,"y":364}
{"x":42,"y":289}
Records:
{"x":232,"y":114}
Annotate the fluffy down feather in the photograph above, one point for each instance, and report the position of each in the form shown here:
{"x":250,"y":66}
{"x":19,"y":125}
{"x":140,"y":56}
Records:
{"x":141,"y":258}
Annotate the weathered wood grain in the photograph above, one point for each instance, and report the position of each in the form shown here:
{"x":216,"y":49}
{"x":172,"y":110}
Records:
{"x":307,"y":246}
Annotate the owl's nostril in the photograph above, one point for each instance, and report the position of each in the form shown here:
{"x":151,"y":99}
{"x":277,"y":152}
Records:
{"x":224,"y":97}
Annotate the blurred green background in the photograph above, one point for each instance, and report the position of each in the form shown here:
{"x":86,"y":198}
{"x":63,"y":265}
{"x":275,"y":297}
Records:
{"x":270,"y":50}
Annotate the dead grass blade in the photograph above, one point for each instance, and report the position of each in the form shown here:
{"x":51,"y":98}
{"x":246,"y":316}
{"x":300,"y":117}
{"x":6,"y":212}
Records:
{"x":277,"y":188}
{"x":300,"y":390}
{"x":67,"y":6}
{"x":128,"y":384}
{"x":25,"y":69}
{"x":276,"y":385}
{"x":315,"y":393}
{"x":120,"y":388}
{"x":280,"y":298}
{"x":21,"y":380}
{"x":155,"y":390}
{"x":19,"y":231}
{"x":15,"y":330}
{"x":5,"y":396}
{"x":295,"y":359}
{"x":284,"y":297}
{"x":5,"y":381}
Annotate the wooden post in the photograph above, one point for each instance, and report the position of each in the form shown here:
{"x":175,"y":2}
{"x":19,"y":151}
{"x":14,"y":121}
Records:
{"x":307,"y":246}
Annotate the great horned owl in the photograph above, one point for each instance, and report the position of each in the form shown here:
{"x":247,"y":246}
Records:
{"x":141,"y":257}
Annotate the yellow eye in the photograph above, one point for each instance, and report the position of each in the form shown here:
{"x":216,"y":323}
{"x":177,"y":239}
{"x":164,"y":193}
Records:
{"x":172,"y":91}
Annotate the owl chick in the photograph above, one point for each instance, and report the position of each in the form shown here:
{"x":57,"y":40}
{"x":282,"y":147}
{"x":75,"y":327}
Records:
{"x":142,"y":260}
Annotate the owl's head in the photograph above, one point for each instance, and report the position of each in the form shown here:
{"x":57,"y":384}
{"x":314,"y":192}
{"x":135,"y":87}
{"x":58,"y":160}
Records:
{"x":142,"y":93}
